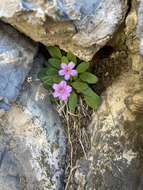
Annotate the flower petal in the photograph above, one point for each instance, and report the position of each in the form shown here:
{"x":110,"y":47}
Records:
{"x":56,"y":94}
{"x":63,"y":83}
{"x":67,"y":77}
{"x":68,"y":89}
{"x":63,"y":66}
{"x":55,"y":86}
{"x":62,"y":72}
{"x":64,"y":97}
{"x":71,"y":65}
{"x":73,"y":72}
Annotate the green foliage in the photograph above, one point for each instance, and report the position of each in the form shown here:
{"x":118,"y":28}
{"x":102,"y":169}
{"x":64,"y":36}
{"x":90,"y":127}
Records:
{"x":72,"y":102}
{"x":54,"y":62}
{"x":92,"y":101}
{"x":80,"y":87}
{"x":81,"y":84}
{"x":72,"y":57}
{"x":42,"y":73}
{"x":82,"y":67}
{"x":64,"y":59}
{"x":54,"y":52}
{"x":51,"y":71}
{"x":90,"y":97}
{"x":88,"y":77}
{"x":47,"y":80}
{"x":51,"y":79}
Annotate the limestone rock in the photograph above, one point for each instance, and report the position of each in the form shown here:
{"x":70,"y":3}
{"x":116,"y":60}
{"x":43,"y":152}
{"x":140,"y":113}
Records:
{"x":140,"y":24}
{"x":16,"y":57}
{"x":79,"y":26}
{"x":114,"y":161}
{"x":32,"y":141}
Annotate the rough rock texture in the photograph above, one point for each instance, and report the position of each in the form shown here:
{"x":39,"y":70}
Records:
{"x":80,"y":26}
{"x":32,"y":141}
{"x":115,"y":159}
{"x":16,"y":57}
{"x":140,"y":24}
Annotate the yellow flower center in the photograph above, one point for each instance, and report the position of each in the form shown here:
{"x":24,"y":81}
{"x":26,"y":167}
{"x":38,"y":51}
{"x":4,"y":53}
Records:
{"x":61,"y":90}
{"x":68,"y":70}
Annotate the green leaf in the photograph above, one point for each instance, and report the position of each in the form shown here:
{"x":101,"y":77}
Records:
{"x":54,"y":62}
{"x":92,"y":101}
{"x":55,"y":52}
{"x":46,"y":75}
{"x":42,"y":73}
{"x":52,"y":71}
{"x":47,"y":86}
{"x":80,"y":86}
{"x":72,"y":57}
{"x":49,"y":80}
{"x":64,"y":59}
{"x":72,"y":102}
{"x":88,"y":77}
{"x":82,"y":67}
{"x":75,"y":78}
{"x":43,"y":76}
{"x":83,"y":88}
{"x":57,"y":79}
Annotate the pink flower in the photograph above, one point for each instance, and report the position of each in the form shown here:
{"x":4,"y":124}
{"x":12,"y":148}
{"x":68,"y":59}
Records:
{"x":62,"y":90}
{"x":67,"y":70}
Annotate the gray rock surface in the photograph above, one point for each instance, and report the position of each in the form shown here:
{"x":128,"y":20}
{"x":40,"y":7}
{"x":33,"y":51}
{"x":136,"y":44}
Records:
{"x":32,"y":141}
{"x":140,"y":24}
{"x":16,"y":57}
{"x":115,"y":160}
{"x":80,"y":26}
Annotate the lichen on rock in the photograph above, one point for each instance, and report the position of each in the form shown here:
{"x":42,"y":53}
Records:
{"x":16,"y":58}
{"x":115,"y":158}
{"x":32,"y":139}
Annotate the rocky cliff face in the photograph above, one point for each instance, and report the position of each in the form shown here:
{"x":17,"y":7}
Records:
{"x":16,"y":58}
{"x":115,"y":159}
{"x":81,"y":27}
{"x":32,"y":139}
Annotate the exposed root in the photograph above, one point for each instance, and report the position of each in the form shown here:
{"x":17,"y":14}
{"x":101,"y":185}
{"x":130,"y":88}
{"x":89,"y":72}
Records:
{"x":77,"y":136}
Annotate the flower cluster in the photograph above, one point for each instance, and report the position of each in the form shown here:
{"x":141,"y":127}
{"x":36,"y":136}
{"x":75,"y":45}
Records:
{"x":62,"y":90}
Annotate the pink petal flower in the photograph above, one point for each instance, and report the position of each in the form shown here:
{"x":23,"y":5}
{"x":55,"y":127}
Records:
{"x":55,"y":86}
{"x":55,"y":94}
{"x":71,"y":65}
{"x":61,"y":72}
{"x":67,"y":70}
{"x":69,"y":89}
{"x":73,"y":73}
{"x":67,"y":77}
{"x":63,"y":83}
{"x":63,"y":97}
{"x":62,"y":90}
{"x":63,"y":66}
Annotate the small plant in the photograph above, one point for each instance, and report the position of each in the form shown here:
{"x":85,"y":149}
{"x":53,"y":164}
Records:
{"x":69,"y":78}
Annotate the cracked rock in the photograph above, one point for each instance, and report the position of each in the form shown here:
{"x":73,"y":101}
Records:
{"x":16,"y":57}
{"x":32,"y":141}
{"x":79,"y":26}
